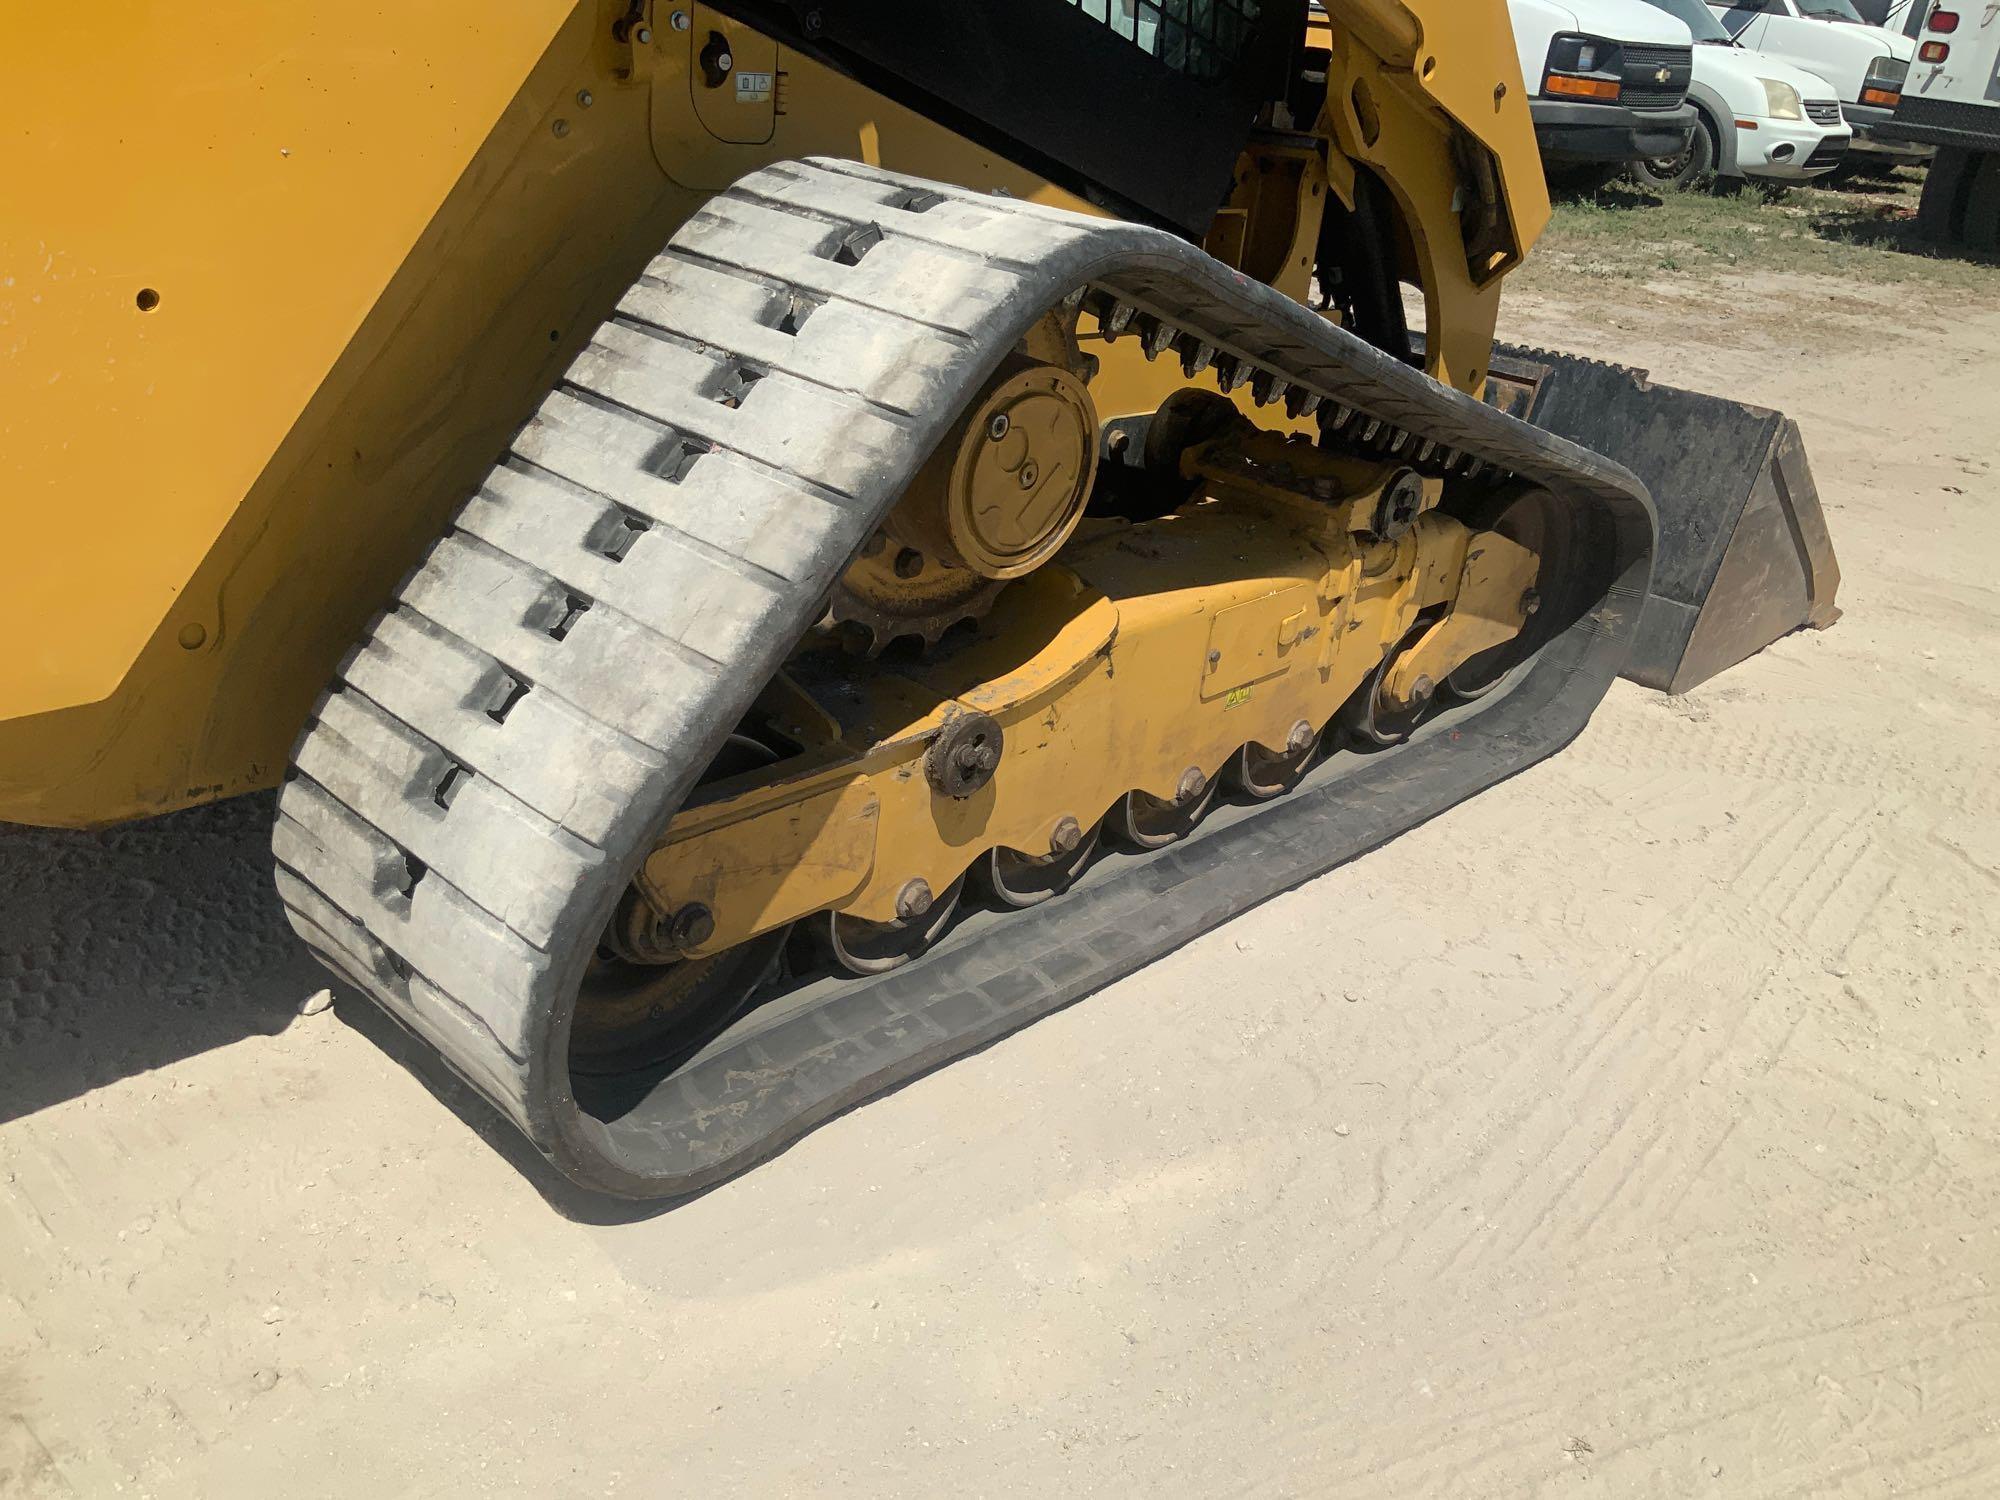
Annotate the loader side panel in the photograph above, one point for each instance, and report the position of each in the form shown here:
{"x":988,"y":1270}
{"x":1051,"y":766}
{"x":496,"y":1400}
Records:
{"x":185,"y":254}
{"x":269,"y":318}
{"x":206,"y":257}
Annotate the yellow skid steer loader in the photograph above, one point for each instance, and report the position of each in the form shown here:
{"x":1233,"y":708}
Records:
{"x":767,"y":544}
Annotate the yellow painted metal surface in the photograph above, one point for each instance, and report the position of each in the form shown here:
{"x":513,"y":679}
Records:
{"x":812,"y":851}
{"x":1007,"y":486}
{"x":742,"y":106}
{"x":1488,"y":609}
{"x":1269,"y":228}
{"x":277,"y":282}
{"x":376,"y":232}
{"x":1148,"y":649}
{"x":1404,"y":82}
{"x":206,"y":499}
{"x":1254,"y":640}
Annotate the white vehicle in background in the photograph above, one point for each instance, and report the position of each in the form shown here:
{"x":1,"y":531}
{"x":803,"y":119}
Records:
{"x":1607,"y":81}
{"x":1951,"y":101}
{"x":1757,"y":116}
{"x":1890,"y":15}
{"x":1864,"y":63}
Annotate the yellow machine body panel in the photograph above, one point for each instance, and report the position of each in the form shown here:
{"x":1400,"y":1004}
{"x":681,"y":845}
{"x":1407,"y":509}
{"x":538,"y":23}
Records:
{"x":269,"y":313}
{"x":269,"y":319}
{"x":216,"y":421}
{"x":184,"y":268}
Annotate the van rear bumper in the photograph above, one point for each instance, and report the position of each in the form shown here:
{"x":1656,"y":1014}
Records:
{"x":1943,"y":122}
{"x":1879,"y":133}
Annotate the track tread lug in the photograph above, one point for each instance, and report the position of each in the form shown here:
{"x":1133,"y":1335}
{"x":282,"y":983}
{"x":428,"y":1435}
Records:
{"x":524,"y":867}
{"x":428,"y":674}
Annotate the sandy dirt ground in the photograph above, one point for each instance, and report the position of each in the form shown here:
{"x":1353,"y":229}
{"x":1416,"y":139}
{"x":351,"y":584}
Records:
{"x":1631,"y":1130}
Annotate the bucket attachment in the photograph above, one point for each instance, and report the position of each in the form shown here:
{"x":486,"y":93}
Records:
{"x":1743,"y":554}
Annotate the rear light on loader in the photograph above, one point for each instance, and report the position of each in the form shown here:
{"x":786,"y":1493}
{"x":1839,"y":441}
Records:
{"x":1601,"y":89}
{"x":1943,"y":22}
{"x":1934,"y":52}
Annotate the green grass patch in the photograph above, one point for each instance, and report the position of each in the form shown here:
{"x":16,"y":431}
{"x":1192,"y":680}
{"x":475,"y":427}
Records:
{"x":1864,"y":229}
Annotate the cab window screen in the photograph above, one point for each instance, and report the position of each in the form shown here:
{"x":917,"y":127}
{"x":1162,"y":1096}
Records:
{"x":1200,"y":38}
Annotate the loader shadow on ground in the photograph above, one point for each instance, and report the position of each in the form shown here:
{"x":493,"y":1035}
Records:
{"x":126,"y":950}
{"x":400,"y":1049}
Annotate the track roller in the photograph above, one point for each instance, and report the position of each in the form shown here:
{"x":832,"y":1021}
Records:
{"x":1261,"y":774}
{"x":863,"y":947}
{"x":1020,"y":880}
{"x":1369,"y":718}
{"x":1143,"y":821}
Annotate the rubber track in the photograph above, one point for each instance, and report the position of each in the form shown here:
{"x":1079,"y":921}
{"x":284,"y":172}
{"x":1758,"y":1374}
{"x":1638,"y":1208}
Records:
{"x":493,"y":760}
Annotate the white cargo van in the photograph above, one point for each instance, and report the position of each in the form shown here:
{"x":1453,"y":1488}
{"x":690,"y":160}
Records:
{"x":1757,"y":116}
{"x":1864,"y":63}
{"x":1607,"y":79}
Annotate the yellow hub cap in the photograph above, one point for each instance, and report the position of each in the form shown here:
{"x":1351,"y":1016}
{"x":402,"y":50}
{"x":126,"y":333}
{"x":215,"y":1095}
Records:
{"x":1020,"y":472}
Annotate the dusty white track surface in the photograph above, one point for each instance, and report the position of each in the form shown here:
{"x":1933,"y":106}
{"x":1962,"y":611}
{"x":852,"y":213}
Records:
{"x":1632,"y":1130}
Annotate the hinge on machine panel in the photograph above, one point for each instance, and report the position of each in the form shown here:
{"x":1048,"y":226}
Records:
{"x":632,"y":36}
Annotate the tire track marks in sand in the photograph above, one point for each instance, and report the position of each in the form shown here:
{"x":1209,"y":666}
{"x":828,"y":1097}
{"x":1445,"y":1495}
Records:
{"x":1549,"y":1098}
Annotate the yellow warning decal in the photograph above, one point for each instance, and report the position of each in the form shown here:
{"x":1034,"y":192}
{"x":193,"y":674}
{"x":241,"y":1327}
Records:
{"x":1237,"y":698}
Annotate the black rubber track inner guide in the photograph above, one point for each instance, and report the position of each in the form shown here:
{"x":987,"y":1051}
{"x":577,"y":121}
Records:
{"x":495,"y":758}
